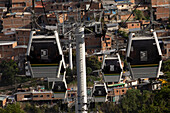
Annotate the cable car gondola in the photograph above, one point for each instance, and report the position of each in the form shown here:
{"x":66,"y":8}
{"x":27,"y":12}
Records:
{"x":99,"y":92}
{"x":144,"y":56}
{"x":59,"y":88}
{"x":112,"y":68}
{"x":44,"y":55}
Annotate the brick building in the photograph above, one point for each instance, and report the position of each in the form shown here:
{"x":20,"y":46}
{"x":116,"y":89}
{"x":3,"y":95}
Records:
{"x":120,"y":91}
{"x":132,"y":24}
{"x":125,"y":6}
{"x":106,"y":43}
{"x":7,"y":36}
{"x":159,"y":2}
{"x":7,"y":50}
{"x":124,"y":15}
{"x":22,"y":36}
{"x":21,"y":3}
{"x":162,"y":12}
{"x":35,"y":96}
{"x":93,"y":43}
{"x":16,"y":20}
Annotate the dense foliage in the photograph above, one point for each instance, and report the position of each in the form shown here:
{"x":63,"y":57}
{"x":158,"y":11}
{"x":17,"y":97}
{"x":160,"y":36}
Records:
{"x":139,"y":15}
{"x":136,"y":101}
{"x":166,"y":66}
{"x":12,"y":108}
{"x":8,"y":69}
{"x":123,"y":34}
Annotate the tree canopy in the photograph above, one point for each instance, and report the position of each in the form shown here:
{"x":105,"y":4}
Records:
{"x":8,"y":69}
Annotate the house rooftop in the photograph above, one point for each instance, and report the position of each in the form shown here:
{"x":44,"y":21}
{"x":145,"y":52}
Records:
{"x":2,"y":98}
{"x":7,"y":42}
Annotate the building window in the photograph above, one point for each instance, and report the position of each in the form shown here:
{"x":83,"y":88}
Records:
{"x":48,"y":95}
{"x":132,"y":24}
{"x":51,"y":7}
{"x":117,"y":91}
{"x":27,"y":96}
{"x":123,"y":90}
{"x":35,"y":96}
{"x":41,"y":95}
{"x":137,"y":24}
{"x":122,"y":5}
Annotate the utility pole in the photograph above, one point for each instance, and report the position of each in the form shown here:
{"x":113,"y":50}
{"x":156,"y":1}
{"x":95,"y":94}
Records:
{"x":81,"y":71}
{"x":70,"y":53}
{"x":33,"y":16}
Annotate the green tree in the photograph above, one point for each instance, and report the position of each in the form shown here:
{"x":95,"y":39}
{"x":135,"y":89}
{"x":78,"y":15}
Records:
{"x":2,"y":110}
{"x":9,"y":70}
{"x":123,"y":34}
{"x":166,"y":66}
{"x":13,"y":108}
{"x":131,"y":103}
{"x":139,"y":15}
{"x":93,"y":63}
{"x":88,"y":70}
{"x":162,"y":100}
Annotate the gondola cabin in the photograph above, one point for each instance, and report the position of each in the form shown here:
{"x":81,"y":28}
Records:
{"x":60,"y":88}
{"x":112,"y":69}
{"x":99,"y":92}
{"x":44,"y":56}
{"x":144,"y":56}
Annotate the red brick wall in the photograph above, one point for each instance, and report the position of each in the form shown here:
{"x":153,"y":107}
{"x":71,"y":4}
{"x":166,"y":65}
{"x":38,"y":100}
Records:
{"x":133,"y":25}
{"x":160,"y":2}
{"x":7,"y":51}
{"x":16,"y":22}
{"x":22,"y":37}
{"x":92,"y":43}
{"x":21,"y":9}
{"x":4,"y":37}
{"x":120,"y":91}
{"x":45,"y":97}
{"x":162,"y":12}
{"x":28,"y":2}
{"x":124,"y":17}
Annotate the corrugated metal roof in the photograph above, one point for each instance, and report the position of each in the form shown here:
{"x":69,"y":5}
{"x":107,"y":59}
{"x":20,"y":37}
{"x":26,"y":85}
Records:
{"x":20,"y":46}
{"x":2,"y":98}
{"x":7,"y":42}
{"x":135,"y":29}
